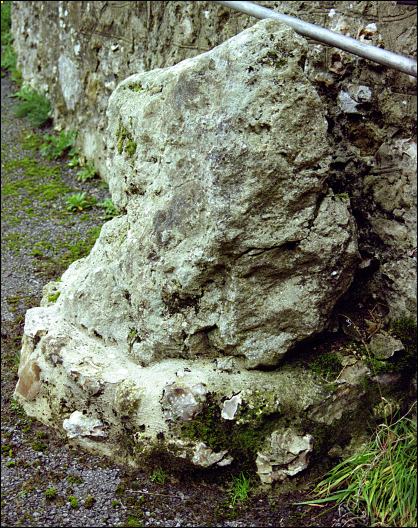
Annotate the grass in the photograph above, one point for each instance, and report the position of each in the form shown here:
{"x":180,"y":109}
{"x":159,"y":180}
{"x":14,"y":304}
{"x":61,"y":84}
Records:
{"x":74,"y":479}
{"x":33,"y":105}
{"x":240,"y":489}
{"x":380,"y":479}
{"x":133,"y":521}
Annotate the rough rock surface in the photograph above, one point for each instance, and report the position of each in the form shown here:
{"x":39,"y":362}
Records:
{"x":230,"y":245}
{"x":238,"y":248}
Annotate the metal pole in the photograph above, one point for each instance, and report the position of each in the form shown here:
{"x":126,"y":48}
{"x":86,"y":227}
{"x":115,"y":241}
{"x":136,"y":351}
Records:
{"x":387,"y":58}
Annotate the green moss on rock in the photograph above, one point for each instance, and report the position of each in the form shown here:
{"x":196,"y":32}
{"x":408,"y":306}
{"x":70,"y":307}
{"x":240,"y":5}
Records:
{"x":125,"y":142}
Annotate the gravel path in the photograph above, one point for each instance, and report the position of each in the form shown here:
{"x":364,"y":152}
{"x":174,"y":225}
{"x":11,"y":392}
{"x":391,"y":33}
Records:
{"x":45,"y":481}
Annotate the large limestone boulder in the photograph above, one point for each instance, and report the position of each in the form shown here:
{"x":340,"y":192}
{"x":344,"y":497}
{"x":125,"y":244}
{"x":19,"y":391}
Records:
{"x":230,"y":251}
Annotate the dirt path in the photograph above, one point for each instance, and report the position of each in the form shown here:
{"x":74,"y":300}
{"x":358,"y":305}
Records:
{"x":40,"y":472}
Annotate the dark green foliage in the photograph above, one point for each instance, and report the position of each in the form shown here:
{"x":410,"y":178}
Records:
{"x":33,"y":105}
{"x":55,"y":147}
{"x":404,"y":362}
{"x":242,"y":440}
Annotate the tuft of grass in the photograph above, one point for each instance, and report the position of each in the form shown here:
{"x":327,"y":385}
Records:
{"x":56,"y":146}
{"x":159,"y":476}
{"x":240,"y":489}
{"x":381,"y":479}
{"x":37,"y":445}
{"x":79,"y":202}
{"x":50,"y":493}
{"x":88,"y":172}
{"x":34,"y":105}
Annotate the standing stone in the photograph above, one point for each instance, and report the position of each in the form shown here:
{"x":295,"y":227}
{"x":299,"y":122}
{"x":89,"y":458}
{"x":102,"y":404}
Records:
{"x":229,"y":245}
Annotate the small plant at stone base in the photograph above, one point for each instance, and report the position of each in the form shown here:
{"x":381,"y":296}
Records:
{"x":380,"y":479}
{"x":159,"y":476}
{"x":73,"y":501}
{"x":50,"y":493}
{"x":240,"y":489}
{"x":109,"y":207}
{"x":34,"y":105}
{"x":56,"y":146}
{"x":74,"y":159}
{"x":88,"y":172}
{"x":79,"y":202}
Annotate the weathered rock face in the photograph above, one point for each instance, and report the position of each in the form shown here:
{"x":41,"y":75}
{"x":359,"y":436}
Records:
{"x":230,"y":244}
{"x":230,"y":251}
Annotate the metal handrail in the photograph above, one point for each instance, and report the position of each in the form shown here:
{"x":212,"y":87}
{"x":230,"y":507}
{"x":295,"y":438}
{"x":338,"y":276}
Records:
{"x":367,"y":51}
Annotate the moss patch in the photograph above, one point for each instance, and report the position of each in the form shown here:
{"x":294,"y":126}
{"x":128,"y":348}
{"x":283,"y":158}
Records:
{"x":29,"y":183}
{"x":327,"y":365}
{"x":242,"y":440}
{"x":125,"y":142}
{"x":136,"y":87}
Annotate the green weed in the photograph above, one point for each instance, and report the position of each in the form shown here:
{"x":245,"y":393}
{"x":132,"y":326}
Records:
{"x":34,"y":105}
{"x":50,"y":493}
{"x":133,"y":521}
{"x":37,"y":445}
{"x":17,"y":409}
{"x":79,"y":202}
{"x":73,"y":501}
{"x":381,"y":479}
{"x":74,"y":479}
{"x":54,"y":297}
